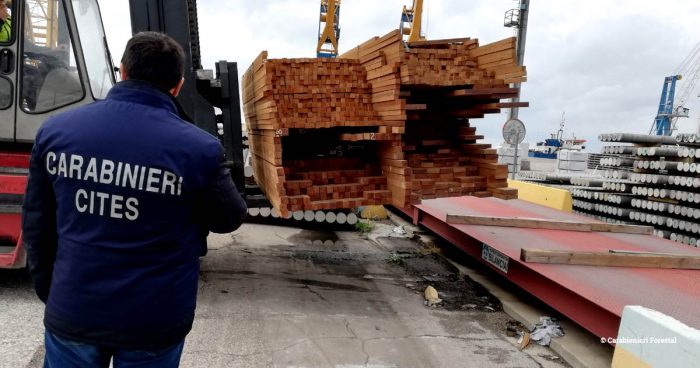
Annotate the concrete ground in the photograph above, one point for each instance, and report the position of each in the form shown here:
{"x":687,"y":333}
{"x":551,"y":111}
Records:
{"x":21,"y":314}
{"x":580,"y":348}
{"x":285,"y":297}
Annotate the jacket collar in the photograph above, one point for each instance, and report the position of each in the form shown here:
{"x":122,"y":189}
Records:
{"x":145,"y":93}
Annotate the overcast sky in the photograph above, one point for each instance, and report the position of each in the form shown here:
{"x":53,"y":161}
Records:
{"x":602,"y":62}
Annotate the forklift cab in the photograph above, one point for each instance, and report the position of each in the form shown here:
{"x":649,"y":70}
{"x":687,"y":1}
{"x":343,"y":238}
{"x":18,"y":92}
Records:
{"x":53,"y":57}
{"x":56,"y":58}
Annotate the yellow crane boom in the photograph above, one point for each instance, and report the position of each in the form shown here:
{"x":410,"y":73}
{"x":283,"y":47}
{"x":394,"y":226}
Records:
{"x":411,"y":20}
{"x":328,"y":29}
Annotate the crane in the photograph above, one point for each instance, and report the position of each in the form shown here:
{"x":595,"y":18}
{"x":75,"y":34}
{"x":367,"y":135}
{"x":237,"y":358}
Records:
{"x":42,"y":19}
{"x":663,"y":121}
{"x":666,"y":121}
{"x":328,"y":29}
{"x":698,"y":127}
{"x":411,"y":22}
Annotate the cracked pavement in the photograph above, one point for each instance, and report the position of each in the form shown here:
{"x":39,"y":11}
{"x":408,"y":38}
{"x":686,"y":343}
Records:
{"x":285,"y":297}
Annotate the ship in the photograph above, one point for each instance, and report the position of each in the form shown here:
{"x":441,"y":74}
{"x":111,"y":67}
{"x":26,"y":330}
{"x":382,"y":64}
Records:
{"x":551,"y":146}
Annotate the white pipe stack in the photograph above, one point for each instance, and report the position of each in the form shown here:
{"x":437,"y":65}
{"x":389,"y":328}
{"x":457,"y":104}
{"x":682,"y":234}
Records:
{"x":655,"y":181}
{"x":330,"y":217}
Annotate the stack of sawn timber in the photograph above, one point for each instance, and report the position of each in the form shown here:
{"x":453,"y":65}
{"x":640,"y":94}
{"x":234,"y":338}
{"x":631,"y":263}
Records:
{"x":430,"y":90}
{"x":381,"y":125}
{"x":297,"y":112}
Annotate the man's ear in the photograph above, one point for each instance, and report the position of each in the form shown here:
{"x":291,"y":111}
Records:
{"x":176,"y":91}
{"x":122,"y":71}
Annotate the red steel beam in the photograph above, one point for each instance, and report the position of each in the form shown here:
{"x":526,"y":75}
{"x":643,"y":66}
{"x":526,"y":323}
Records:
{"x":12,"y":184}
{"x":10,"y":227}
{"x":10,"y":223}
{"x":12,"y":159}
{"x":587,"y":314}
{"x":593,"y":297}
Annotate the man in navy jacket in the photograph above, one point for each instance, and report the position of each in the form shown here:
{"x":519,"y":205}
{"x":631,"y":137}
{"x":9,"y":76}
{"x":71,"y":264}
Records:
{"x":120,"y":196}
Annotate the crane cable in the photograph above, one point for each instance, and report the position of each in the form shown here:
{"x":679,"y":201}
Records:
{"x":685,"y":64}
{"x":690,"y":71}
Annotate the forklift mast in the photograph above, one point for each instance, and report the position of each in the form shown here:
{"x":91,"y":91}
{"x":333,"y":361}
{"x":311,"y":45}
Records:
{"x":201,"y":93}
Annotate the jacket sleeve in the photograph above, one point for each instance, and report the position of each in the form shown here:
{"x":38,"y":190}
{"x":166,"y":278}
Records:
{"x":224,"y":207}
{"x":39,"y":225}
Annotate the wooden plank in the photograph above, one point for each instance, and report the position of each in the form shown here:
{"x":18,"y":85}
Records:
{"x":439,"y":42}
{"x":516,"y":80}
{"x":499,"y":56}
{"x":538,"y":223}
{"x":608,"y":259}
{"x":490,"y":48}
{"x":507,"y":105}
{"x":416,"y":107}
{"x":481,"y":92}
{"x":616,"y":228}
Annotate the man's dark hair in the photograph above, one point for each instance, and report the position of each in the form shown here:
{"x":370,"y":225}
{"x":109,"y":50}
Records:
{"x":154,"y":57}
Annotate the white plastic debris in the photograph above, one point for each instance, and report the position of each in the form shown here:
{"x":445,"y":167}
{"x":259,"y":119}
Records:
{"x":399,"y":230}
{"x":543,"y":332}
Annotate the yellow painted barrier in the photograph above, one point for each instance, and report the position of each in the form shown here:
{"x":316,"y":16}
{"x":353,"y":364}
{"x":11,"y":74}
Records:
{"x":648,"y":338}
{"x":625,"y":359}
{"x":558,"y":199}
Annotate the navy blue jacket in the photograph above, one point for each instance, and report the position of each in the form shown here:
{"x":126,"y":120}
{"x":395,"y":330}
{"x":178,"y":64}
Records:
{"x":120,"y":196}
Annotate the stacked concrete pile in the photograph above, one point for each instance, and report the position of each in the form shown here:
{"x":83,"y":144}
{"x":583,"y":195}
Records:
{"x":653,"y":180}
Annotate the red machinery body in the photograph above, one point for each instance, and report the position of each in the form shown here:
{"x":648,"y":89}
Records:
{"x":592,"y":296}
{"x":13,"y":182}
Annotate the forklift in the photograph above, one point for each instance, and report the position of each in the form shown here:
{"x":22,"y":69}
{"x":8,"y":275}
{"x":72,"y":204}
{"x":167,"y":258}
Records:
{"x":57,"y":58}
